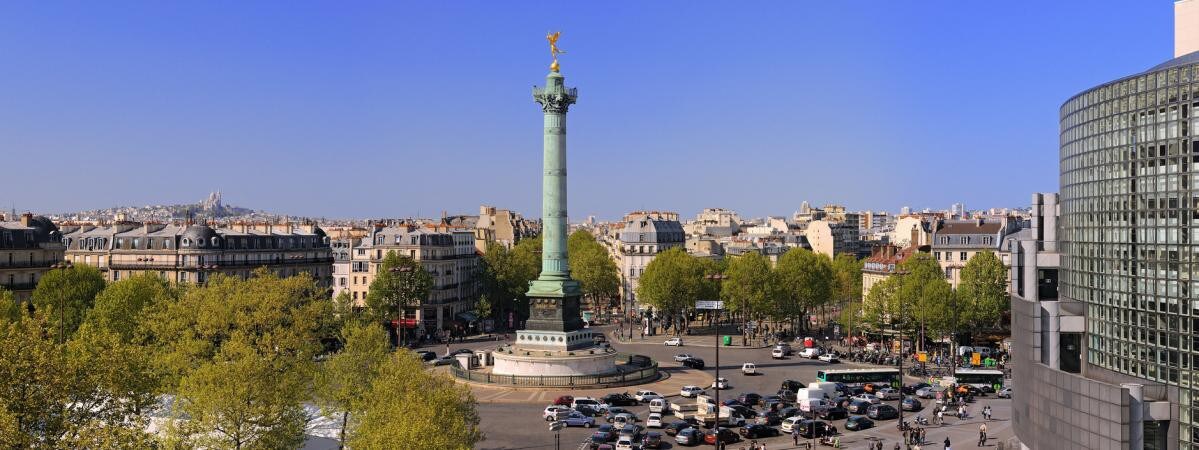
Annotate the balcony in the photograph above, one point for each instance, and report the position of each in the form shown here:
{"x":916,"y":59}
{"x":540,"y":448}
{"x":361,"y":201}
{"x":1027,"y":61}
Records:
{"x":19,"y":286}
{"x":214,"y":265}
{"x":26,"y":264}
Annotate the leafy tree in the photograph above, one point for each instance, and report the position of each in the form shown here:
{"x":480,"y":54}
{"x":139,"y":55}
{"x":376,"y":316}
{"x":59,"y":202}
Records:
{"x":923,"y":296}
{"x":806,"y":281}
{"x":590,"y":264}
{"x":847,"y":277}
{"x":74,"y":288}
{"x":750,"y":287}
{"x":672,"y":282}
{"x":119,"y":307}
{"x":344,"y":379}
{"x":409,"y":407}
{"x":983,"y":288}
{"x":483,"y":307}
{"x":400,"y":283}
{"x":10,"y":308}
{"x":244,"y":398}
{"x":880,"y":303}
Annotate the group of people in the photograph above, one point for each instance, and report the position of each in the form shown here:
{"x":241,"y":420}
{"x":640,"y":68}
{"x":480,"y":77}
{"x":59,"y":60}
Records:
{"x":914,"y":435}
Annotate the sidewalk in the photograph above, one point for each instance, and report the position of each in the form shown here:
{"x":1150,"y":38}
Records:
{"x":708,"y":341}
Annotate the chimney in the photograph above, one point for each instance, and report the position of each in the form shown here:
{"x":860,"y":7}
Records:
{"x":25,"y":219}
{"x":1186,"y":27}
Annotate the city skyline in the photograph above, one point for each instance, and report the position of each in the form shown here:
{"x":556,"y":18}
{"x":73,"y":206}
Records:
{"x":322,"y":111}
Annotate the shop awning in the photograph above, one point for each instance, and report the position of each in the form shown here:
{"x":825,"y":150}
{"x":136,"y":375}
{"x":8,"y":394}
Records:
{"x":468,"y":316}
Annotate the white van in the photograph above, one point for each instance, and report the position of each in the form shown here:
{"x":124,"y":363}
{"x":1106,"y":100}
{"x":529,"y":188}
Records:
{"x":984,"y":352}
{"x":658,"y":405}
{"x":810,"y":352}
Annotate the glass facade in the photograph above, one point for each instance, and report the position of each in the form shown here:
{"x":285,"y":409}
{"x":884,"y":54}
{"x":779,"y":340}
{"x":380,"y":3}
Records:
{"x":1130,"y":227}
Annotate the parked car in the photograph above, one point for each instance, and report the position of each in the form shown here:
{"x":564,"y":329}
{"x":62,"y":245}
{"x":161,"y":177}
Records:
{"x":1005,"y":393}
{"x":771,"y":418}
{"x":607,"y":429}
{"x":882,"y":412}
{"x":911,"y":404}
{"x":887,"y":394}
{"x":659,"y":405}
{"x":749,"y":398}
{"x":624,"y":419}
{"x":584,"y":401}
{"x":621,"y":399}
{"x":654,"y":420}
{"x":682,"y":357}
{"x":599,"y":438}
{"x":809,"y":429}
{"x":646,"y":396}
{"x":725,"y":435}
{"x":595,"y":411}
{"x":785,"y":347}
{"x":674,"y":342}
{"x":629,"y":430}
{"x":426,"y":355}
{"x":624,"y":443}
{"x":564,"y":400}
{"x":910,"y":389}
{"x":926,"y":392}
{"x":778,"y":353}
{"x":810,"y":352}
{"x":858,"y":406}
{"x":675,"y":427}
{"x":789,"y":424}
{"x":652,"y":439}
{"x":555,"y":412}
{"x":577,"y":419}
{"x":872,"y":399}
{"x":613,"y":412}
{"x":720,"y":383}
{"x":758,"y":431}
{"x":858,"y":423}
{"x":833,"y":413}
{"x":694,"y":363}
{"x":829,"y":358}
{"x":791,"y":385}
{"x":749,"y":369}
{"x":787,"y":395}
{"x":690,"y":391}
{"x":689,"y":436}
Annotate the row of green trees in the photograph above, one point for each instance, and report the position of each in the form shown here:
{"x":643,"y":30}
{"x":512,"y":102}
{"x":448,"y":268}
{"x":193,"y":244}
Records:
{"x":507,"y":273}
{"x":919,"y":302}
{"x":800,"y":284}
{"x":229,"y":364}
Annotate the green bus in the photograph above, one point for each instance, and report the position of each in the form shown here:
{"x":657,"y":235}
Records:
{"x":985,"y":379}
{"x":858,"y":377}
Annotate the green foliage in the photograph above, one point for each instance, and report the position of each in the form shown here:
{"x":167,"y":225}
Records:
{"x":880,"y":302}
{"x":73,"y":288}
{"x":590,"y":264}
{"x":342,"y":383}
{"x":847,"y":277}
{"x":672,"y":282}
{"x":983,"y":291}
{"x":750,"y":287}
{"x":119,"y":307}
{"x":408,"y":407}
{"x":400,"y":282}
{"x":507,"y":273}
{"x":806,"y":281}
{"x":10,"y":308}
{"x":483,"y":307}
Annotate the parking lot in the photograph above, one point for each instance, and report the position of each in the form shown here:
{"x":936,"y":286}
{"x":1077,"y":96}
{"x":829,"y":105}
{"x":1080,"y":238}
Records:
{"x":513,"y":418}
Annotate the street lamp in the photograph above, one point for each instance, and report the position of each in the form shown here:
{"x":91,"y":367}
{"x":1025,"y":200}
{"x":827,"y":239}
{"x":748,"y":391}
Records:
{"x":399,"y":305}
{"x":61,"y":327}
{"x":718,"y":278}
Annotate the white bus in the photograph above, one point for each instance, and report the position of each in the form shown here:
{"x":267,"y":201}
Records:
{"x":857,"y":377}
{"x":988,"y":380}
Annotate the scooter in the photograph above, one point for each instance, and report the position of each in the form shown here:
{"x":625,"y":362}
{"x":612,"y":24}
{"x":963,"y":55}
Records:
{"x":920,"y":420}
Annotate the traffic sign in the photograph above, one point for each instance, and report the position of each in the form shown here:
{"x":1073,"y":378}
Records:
{"x":555,"y":426}
{"x":709,"y":304}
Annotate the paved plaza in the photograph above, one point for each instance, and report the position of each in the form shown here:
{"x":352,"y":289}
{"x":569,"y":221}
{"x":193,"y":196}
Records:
{"x":512,"y":417}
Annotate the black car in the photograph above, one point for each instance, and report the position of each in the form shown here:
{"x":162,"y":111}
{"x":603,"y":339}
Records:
{"x":787,"y":395}
{"x":744,"y":412}
{"x":462,"y":351}
{"x":694,"y":363}
{"x":882,"y":412}
{"x":750,"y":398}
{"x":834,"y":413}
{"x":858,"y":406}
{"x":911,"y":404}
{"x":652,"y":439}
{"x":732,"y":402}
{"x":426,"y":355}
{"x":839,"y":400}
{"x":858,"y":423}
{"x":771,"y":418}
{"x":599,"y":438}
{"x":792,"y":385}
{"x":621,"y":399}
{"x":911,"y":389}
{"x":758,"y":431}
{"x":675,"y":427}
{"x":590,"y":411}
{"x":789,"y":411}
{"x":809,"y":429}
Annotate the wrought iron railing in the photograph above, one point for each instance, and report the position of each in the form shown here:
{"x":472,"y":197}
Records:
{"x":628,"y":376}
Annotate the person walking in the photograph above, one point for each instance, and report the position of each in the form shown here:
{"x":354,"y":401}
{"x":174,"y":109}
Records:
{"x":795,"y":436}
{"x":947,"y":447}
{"x":982,"y":435}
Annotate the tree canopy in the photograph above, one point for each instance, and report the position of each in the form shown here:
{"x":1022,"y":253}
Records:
{"x":408,"y":407}
{"x":74,"y":288}
{"x":400,"y":282}
{"x":806,"y":281}
{"x":590,"y":264}
{"x":983,"y":291}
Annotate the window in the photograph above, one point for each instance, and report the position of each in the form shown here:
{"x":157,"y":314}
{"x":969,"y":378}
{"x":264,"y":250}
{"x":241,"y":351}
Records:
{"x":965,"y":240}
{"x":943,"y":239}
{"x":949,"y":272}
{"x":632,"y":272}
{"x":116,"y":275}
{"x":120,"y":243}
{"x":987,"y":240}
{"x":964,"y":256}
{"x":937,"y":256}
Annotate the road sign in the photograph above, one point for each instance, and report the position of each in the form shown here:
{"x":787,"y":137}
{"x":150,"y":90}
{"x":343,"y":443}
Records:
{"x":709,"y":304}
{"x":555,"y":426}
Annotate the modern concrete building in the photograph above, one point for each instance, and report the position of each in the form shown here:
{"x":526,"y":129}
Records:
{"x":641,"y":239}
{"x":191,"y":253}
{"x":1112,"y":360}
{"x":29,"y":246}
{"x":833,"y":238}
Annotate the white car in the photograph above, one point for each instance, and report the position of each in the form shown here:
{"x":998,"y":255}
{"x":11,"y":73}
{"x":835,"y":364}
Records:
{"x":690,"y":391}
{"x":810,"y":352}
{"x":720,"y":383}
{"x":749,"y":369}
{"x":778,"y":353}
{"x":1004,"y":393}
{"x":624,"y":443}
{"x":654,"y":421}
{"x":682,"y":357}
{"x":829,"y":358}
{"x":926,"y":392}
{"x":676,"y":342}
{"x":555,"y":412}
{"x":574,"y":404}
{"x":789,"y":423}
{"x":873,"y":400}
{"x":646,"y":396}
{"x":887,"y":394}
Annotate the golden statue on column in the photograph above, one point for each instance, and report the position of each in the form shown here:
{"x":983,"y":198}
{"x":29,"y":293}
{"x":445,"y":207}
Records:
{"x":554,"y":51}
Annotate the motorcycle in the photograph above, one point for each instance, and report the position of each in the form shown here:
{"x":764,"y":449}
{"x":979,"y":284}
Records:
{"x":920,"y":420}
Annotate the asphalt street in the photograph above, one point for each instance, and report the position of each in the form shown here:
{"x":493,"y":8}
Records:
{"x":518,"y":424}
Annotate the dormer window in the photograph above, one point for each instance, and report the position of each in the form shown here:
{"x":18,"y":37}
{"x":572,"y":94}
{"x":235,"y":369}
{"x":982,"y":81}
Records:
{"x":216,"y":241}
{"x":186,"y":242}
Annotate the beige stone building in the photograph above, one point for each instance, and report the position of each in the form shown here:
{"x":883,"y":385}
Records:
{"x":954,"y":242}
{"x":29,"y":246}
{"x":501,"y":226}
{"x":833,"y":238}
{"x":448,"y":254}
{"x":883,"y":263}
{"x":193,"y":253}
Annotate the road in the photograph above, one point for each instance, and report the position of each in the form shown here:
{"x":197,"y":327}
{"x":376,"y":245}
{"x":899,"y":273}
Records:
{"x":513,"y":419}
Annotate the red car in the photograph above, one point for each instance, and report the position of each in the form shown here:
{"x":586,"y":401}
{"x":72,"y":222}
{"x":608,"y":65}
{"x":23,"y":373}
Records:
{"x":727,"y":436}
{"x":564,"y":400}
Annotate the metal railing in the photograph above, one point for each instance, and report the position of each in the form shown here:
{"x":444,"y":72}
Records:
{"x":26,"y":264}
{"x":641,"y":375}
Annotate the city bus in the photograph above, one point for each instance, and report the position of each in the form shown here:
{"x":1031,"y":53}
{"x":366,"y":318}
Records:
{"x":858,"y":377}
{"x":986,"y":379}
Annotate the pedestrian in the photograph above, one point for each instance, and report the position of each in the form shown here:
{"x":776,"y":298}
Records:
{"x":940,"y":417}
{"x":906,"y":437}
{"x":795,"y":436}
{"x":947,"y":443}
{"x":982,"y":435}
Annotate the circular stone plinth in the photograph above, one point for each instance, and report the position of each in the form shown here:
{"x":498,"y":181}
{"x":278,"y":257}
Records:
{"x":554,"y":363}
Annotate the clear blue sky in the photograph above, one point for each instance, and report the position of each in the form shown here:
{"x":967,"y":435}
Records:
{"x":355,"y":109}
